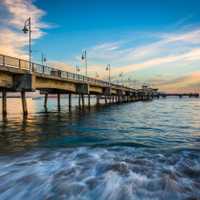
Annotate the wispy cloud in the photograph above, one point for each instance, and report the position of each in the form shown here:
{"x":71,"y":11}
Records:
{"x":12,"y":40}
{"x":171,"y":55}
{"x":187,"y":83}
{"x":176,"y":48}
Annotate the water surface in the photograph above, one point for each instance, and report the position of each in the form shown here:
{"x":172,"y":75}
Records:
{"x":144,"y":150}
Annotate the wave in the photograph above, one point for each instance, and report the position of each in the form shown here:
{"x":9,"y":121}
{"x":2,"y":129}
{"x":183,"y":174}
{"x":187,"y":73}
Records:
{"x":111,"y":173}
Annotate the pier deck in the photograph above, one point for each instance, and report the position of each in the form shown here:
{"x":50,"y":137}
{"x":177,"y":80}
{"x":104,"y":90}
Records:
{"x":17,"y":75}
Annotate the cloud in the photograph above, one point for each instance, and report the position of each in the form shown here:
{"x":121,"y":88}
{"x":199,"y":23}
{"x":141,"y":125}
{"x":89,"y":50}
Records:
{"x":93,"y":71}
{"x":12,"y":40}
{"x":188,"y":83}
{"x":178,"y":49}
{"x":61,"y":65}
{"x":167,"y":55}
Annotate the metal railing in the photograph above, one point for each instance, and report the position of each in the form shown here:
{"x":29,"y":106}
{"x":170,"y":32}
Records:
{"x":8,"y":61}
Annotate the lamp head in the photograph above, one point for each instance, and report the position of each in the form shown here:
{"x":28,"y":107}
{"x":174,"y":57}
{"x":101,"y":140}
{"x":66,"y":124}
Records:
{"x":25,"y":30}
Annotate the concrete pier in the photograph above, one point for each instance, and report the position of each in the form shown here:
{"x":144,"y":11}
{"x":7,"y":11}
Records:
{"x":15,"y":76}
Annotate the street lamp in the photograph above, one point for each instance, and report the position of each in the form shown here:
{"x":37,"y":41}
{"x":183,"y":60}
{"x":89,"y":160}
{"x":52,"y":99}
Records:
{"x":43,"y":59}
{"x":84,"y":57}
{"x":27,"y":29}
{"x":108,"y":69}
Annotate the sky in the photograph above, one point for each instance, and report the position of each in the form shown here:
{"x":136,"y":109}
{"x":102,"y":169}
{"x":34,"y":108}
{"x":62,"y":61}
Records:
{"x":152,"y":42}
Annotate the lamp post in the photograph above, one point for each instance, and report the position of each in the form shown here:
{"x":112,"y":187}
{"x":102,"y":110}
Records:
{"x":43,"y":59}
{"x":27,"y":29}
{"x":84,"y":57}
{"x":108,"y":68}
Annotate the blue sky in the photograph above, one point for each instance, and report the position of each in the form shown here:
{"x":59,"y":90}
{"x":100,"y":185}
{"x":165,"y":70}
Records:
{"x":81,"y":24}
{"x":155,"y":41}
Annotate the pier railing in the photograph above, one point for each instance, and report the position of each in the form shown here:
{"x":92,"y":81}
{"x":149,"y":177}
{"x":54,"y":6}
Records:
{"x":13,"y":62}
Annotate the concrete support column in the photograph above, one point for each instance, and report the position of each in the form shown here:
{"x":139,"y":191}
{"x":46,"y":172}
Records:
{"x":132,"y":98}
{"x":70,"y":101}
{"x":118,"y":100}
{"x":122,"y":99}
{"x":79,"y":100}
{"x":106,"y":100}
{"x":110,"y":99}
{"x":89,"y":100}
{"x":45,"y":100}
{"x":98,"y":99}
{"x":24,"y":104}
{"x":4,"y":102}
{"x":83,"y":100}
{"x":58,"y":101}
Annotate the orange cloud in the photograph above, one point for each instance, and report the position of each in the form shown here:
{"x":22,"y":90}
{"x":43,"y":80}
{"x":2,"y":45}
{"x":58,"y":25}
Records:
{"x":189,"y":83}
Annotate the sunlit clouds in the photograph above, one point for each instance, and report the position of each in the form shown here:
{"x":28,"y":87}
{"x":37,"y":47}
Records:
{"x":174,"y":54}
{"x":12,"y":40}
{"x":188,"y":83}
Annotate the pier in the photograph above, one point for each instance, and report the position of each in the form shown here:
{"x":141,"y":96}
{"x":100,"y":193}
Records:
{"x":17,"y":75}
{"x":180,"y":95}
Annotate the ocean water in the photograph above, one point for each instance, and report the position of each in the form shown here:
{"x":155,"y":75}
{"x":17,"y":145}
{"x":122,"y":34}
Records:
{"x":144,"y":150}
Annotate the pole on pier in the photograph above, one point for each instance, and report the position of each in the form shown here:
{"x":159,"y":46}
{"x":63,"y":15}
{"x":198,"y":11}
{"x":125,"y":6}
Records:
{"x":4,"y":102}
{"x":70,"y":101}
{"x":58,"y":101}
{"x":45,"y":100}
{"x":89,"y":100}
{"x":24,"y":104}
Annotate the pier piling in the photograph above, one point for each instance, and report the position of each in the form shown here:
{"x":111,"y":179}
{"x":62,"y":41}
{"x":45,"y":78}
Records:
{"x":4,"y":102}
{"x":24,"y":104}
{"x":98,"y":99}
{"x":70,"y":101}
{"x":88,"y":100}
{"x":58,"y":101}
{"x":106,"y":100}
{"x":45,"y":100}
{"x":83,"y":100}
{"x":79,"y":100}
